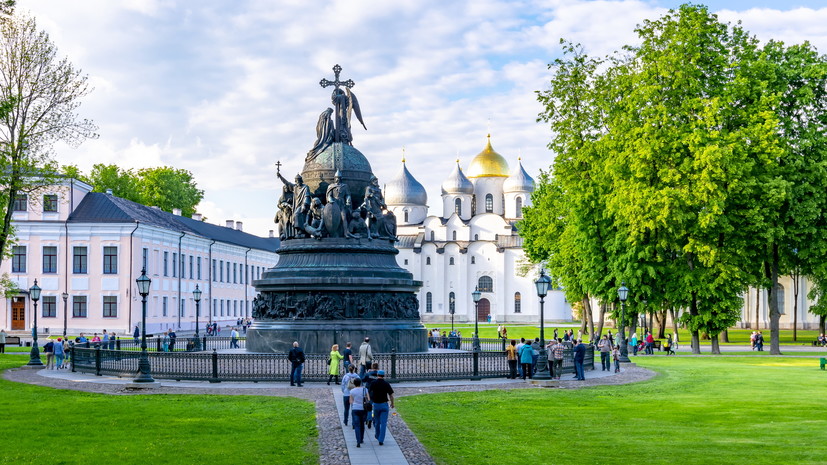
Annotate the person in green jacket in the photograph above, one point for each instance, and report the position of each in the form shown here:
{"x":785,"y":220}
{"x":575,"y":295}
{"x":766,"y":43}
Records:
{"x":526,"y":359}
{"x":333,"y":361}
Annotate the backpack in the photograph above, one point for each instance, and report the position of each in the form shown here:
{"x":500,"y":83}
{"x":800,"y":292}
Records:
{"x":350,"y":384}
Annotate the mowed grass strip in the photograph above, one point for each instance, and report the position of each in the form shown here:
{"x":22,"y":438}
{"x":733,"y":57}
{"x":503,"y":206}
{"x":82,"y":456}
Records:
{"x":726,"y":410}
{"x":50,"y":426}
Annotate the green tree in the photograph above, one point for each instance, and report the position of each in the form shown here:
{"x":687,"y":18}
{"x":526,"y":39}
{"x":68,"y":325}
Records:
{"x":123,"y":182}
{"x":41,"y":94}
{"x":169,"y":188}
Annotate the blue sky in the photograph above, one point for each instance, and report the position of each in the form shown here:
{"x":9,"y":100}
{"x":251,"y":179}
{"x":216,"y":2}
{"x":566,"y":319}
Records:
{"x":227,"y":88}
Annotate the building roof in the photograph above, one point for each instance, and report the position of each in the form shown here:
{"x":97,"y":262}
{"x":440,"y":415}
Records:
{"x":457,"y":183}
{"x":519,"y":181}
{"x":488,"y":163}
{"x":106,"y":208}
{"x":404,"y":189}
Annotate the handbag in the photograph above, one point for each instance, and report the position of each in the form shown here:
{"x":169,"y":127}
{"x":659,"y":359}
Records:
{"x":368,"y":405}
{"x":328,"y":361}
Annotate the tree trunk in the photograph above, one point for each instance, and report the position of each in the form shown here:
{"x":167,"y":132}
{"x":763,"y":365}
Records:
{"x":716,"y":349}
{"x":587,"y":308}
{"x":651,"y":322}
{"x":757,"y":308}
{"x":726,"y":335}
{"x":693,"y":310}
{"x":795,"y":306}
{"x":821,"y":324}
{"x":583,"y":323}
{"x":674,"y":323}
{"x":590,"y":323}
{"x":661,"y":324}
{"x":601,"y":320}
{"x":775,"y":314}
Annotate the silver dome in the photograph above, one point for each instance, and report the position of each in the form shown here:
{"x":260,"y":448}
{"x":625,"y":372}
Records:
{"x":404,"y":189}
{"x":519,"y":181}
{"x":457,"y":183}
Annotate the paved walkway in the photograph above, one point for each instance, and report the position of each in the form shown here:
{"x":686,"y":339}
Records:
{"x":371,"y":453}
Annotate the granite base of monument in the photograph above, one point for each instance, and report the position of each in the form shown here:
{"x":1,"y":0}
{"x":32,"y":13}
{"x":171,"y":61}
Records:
{"x":319,"y":336}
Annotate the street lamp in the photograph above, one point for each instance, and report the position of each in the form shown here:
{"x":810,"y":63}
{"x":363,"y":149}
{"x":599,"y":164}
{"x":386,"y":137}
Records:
{"x":196,"y":295}
{"x":65,"y":312}
{"x":144,"y":375}
{"x":477,"y":295}
{"x":542,"y":283}
{"x":34,"y":355}
{"x":623,"y":294}
{"x":452,"y":309}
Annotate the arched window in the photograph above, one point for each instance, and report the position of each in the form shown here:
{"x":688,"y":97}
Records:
{"x":518,"y":301}
{"x":432,"y":236}
{"x":451,"y":261}
{"x":486,"y":284}
{"x":476,"y":237}
{"x":454,"y":235}
{"x":406,"y":216}
{"x":458,"y":206}
{"x":429,"y":303}
{"x":473,"y":260}
{"x":489,"y":203}
{"x":427,"y":260}
{"x":452,"y":305}
{"x":519,"y":205}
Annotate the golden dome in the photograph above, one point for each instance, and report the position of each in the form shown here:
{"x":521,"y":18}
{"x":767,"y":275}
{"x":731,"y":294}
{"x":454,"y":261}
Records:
{"x":488,"y":163}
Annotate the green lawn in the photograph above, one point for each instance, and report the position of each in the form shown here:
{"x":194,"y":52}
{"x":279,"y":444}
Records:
{"x":530,"y":331}
{"x":725,"y":410}
{"x":49,"y":426}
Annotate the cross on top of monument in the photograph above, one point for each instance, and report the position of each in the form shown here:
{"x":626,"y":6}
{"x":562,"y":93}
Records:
{"x":336,"y":82}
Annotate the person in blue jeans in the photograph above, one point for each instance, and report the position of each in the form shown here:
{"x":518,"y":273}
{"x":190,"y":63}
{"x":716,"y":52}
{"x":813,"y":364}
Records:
{"x":579,"y":358}
{"x":526,"y":360}
{"x":348,"y":383}
{"x":296,"y":357}
{"x":381,"y":393}
{"x":358,"y":396}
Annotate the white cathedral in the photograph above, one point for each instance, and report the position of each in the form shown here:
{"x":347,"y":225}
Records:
{"x":473,"y":244}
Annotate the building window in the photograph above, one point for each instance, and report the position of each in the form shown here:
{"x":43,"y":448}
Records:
{"x":518,"y":301}
{"x":166,"y":263}
{"x":110,"y":260}
{"x":50,"y":203}
{"x":429,"y":303}
{"x":198,"y":267}
{"x":432,"y":236}
{"x":174,"y":265}
{"x":79,"y":306}
{"x":406,"y":261}
{"x":192,"y":266}
{"x":49,"y":306}
{"x":21,"y":203}
{"x":235,"y":274}
{"x":228,"y":280}
{"x":183,"y":309}
{"x":235,"y":308}
{"x":50,"y":259}
{"x":519,"y":205}
{"x":451,"y":261}
{"x":214,"y":275}
{"x":80,"y":263}
{"x":427,"y":260}
{"x":406,"y":216}
{"x":476,"y":237}
{"x":458,"y":206}
{"x":18,"y":261}
{"x":452,"y":303}
{"x":181,"y":265}
{"x":473,"y":260}
{"x":453,"y":235}
{"x":214,"y":308}
{"x":145,"y":259}
{"x":489,"y":203}
{"x":110,"y":306}
{"x":486,"y":284}
{"x":164,"y":304}
{"x":221,"y":271}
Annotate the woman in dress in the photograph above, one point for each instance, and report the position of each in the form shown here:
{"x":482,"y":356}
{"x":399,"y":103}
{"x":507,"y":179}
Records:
{"x":335,"y":358}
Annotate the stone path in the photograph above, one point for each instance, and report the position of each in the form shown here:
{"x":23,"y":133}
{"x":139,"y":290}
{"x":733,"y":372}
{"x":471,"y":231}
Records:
{"x":337,"y":443}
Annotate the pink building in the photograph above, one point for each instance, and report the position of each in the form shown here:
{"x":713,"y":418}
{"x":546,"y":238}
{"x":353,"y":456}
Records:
{"x":86,"y":249}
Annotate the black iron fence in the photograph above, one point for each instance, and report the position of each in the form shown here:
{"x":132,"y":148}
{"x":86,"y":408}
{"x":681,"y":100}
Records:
{"x":216,"y":367}
{"x":179,"y":344}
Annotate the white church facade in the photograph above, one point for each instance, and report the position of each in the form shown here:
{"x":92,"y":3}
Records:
{"x":472,"y":244}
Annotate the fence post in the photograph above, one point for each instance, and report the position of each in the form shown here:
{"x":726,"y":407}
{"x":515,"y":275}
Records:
{"x":393,"y":363}
{"x":476,"y":355}
{"x":204,"y":345}
{"x":118,"y":344}
{"x":158,"y":344}
{"x":97,"y":361}
{"x":214,"y":367}
{"x":72,"y":351}
{"x":503,"y":343}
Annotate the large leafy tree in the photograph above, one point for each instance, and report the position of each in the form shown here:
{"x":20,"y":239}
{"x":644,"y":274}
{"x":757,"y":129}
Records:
{"x":41,"y":94}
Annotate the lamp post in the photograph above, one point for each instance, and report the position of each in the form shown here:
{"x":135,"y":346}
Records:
{"x":34,"y":355}
{"x":477,"y":295}
{"x":65,"y":312}
{"x":196,"y":295}
{"x":623,"y":294}
{"x":144,"y":375}
{"x":452,"y":309}
{"x":542,"y":284}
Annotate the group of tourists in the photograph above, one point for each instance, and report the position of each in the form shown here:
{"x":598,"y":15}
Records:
{"x":756,"y":341}
{"x":451,"y":340}
{"x":57,"y":353}
{"x":522,"y":357}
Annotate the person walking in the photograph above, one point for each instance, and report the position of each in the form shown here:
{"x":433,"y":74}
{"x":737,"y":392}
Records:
{"x":650,"y":343}
{"x":535,"y":354}
{"x":59,"y":353}
{"x":359,"y":396}
{"x":550,"y":356}
{"x":333,"y":361}
{"x":348,"y":383}
{"x":511,"y":357}
{"x":348,"y":356}
{"x":136,"y":334}
{"x":296,"y":357}
{"x":234,"y":339}
{"x":49,"y":350}
{"x":3,"y":341}
{"x":633,"y":343}
{"x":759,"y":341}
{"x":165,"y":341}
{"x":520,"y":371}
{"x":605,"y":347}
{"x":668,"y":346}
{"x":526,"y":358}
{"x":112,"y":339}
{"x":381,"y":393}
{"x":172,"y":338}
{"x":365,"y":357}
{"x":558,"y":350}
{"x":616,"y":357}
{"x":579,"y":358}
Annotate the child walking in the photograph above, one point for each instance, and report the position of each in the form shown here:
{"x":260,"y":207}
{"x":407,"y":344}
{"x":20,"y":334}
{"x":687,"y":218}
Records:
{"x":616,"y":357}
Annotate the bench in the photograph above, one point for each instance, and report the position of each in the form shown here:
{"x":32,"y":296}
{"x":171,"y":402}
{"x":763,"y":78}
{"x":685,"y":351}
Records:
{"x":13,"y":340}
{"x":657,"y":344}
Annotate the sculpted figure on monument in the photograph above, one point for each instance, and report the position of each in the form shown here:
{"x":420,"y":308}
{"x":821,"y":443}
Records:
{"x":357,"y":226}
{"x":345,"y":103}
{"x":284,"y":217}
{"x":314,"y":224}
{"x":387,"y":227}
{"x":301,"y":203}
{"x":337,"y":210}
{"x":324,"y":135}
{"x":374,"y":203}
